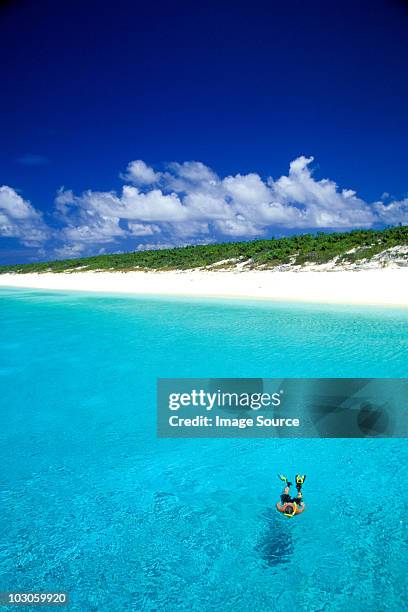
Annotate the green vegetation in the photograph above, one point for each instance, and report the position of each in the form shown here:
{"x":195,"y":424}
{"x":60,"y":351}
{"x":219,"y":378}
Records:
{"x":314,"y":248}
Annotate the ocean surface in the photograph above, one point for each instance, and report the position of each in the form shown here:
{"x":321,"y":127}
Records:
{"x":94,"y":504}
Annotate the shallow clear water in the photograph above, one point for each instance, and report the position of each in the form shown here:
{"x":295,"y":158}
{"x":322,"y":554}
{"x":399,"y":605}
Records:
{"x":94,"y":504}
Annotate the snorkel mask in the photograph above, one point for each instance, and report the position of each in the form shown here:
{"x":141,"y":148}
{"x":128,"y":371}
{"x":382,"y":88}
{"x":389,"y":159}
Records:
{"x":294,"y":505}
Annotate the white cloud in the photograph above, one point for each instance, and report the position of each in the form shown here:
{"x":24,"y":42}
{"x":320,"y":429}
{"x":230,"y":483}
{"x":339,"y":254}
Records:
{"x":90,"y":218}
{"x":189,"y":177}
{"x":393,"y":213}
{"x":140,"y":229}
{"x":189,"y":202}
{"x":319,"y":204}
{"x":100,"y":230}
{"x":139,"y":173}
{"x":69,"y":251}
{"x":18,"y":219}
{"x":151,"y":206}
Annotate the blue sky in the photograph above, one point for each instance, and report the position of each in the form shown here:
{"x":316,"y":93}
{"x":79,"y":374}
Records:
{"x":127,"y":126}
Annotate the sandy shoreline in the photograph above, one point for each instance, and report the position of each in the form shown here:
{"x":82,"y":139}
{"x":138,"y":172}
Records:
{"x":385,"y":287}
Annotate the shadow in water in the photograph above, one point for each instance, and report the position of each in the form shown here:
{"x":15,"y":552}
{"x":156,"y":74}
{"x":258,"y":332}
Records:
{"x":276,"y":544}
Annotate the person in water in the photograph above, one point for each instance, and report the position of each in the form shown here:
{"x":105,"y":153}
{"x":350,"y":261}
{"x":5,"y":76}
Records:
{"x":291,"y":506}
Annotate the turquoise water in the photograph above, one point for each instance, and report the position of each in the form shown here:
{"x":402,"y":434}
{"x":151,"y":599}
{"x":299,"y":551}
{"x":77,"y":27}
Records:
{"x":94,"y":504}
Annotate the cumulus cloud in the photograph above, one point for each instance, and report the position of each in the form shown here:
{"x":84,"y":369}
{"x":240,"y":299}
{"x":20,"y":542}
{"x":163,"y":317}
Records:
{"x":189,"y":200}
{"x":392,"y":213}
{"x":69,"y":251}
{"x":140,"y":173}
{"x":320,"y":203}
{"x":18,"y":219}
{"x":189,"y":203}
{"x":140,"y":229}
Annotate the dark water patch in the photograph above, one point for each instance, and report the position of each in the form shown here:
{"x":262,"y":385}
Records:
{"x":276,"y":545}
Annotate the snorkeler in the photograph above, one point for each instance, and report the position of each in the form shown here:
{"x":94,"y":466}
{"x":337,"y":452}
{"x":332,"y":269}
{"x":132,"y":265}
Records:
{"x":290,"y":506}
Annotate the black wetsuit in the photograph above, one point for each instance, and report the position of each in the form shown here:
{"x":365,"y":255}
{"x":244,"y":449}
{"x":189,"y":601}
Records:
{"x":287,"y":499}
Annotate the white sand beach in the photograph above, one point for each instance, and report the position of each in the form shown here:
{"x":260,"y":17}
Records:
{"x":385,"y":287}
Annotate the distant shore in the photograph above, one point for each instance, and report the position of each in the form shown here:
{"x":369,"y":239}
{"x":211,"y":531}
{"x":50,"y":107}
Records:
{"x":385,"y":287}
